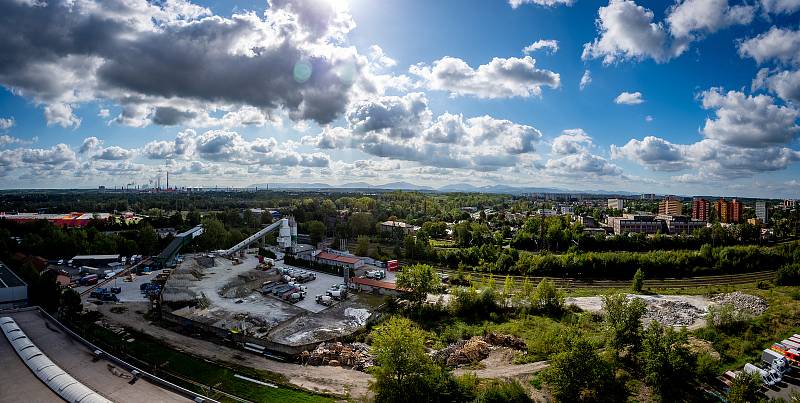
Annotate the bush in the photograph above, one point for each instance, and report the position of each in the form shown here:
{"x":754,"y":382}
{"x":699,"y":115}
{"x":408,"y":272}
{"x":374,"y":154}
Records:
{"x":547,"y":298}
{"x":502,"y":392}
{"x":725,"y":317}
{"x":638,"y":280}
{"x":789,"y":274}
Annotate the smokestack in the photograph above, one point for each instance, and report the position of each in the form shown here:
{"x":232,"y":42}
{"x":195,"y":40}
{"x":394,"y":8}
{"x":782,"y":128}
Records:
{"x":167,"y":180}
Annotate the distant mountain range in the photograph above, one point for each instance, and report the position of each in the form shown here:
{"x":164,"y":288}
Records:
{"x":452,"y":188}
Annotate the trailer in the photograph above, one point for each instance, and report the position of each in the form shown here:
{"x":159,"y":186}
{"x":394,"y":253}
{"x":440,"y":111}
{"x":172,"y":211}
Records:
{"x":88,"y":280}
{"x":790,"y":344}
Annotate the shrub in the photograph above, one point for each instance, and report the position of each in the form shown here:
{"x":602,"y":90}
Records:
{"x":502,"y":392}
{"x":638,"y":280}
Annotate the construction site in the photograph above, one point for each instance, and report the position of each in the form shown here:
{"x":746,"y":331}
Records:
{"x":229,"y":298}
{"x":265,"y":306}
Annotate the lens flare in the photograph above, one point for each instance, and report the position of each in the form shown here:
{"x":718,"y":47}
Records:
{"x":302,"y":71}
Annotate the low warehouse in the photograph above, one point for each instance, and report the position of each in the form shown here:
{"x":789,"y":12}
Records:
{"x":13,"y":291}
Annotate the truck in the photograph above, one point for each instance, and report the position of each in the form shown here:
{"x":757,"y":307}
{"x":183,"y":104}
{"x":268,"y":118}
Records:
{"x":337,"y":294}
{"x":88,"y":280}
{"x":375,"y":274}
{"x":791,"y":354}
{"x":109,"y":297}
{"x":324,"y":300}
{"x":98,"y":292}
{"x":775,"y":361}
{"x":769,"y":378}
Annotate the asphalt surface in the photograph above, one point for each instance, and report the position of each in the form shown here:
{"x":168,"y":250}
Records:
{"x":73,"y":357}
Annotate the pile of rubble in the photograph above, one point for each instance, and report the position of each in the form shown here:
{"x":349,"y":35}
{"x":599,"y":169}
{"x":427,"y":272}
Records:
{"x":744,"y":303}
{"x":671,"y":313}
{"x":336,"y":354}
{"x":505,"y":340}
{"x":476,"y":349}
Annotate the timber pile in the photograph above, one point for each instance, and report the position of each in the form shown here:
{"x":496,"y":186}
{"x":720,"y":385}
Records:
{"x":355,"y":355}
{"x":473,"y":350}
{"x":476,"y":349}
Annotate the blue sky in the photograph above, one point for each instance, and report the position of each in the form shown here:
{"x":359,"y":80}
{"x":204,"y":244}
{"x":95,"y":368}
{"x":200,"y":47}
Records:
{"x":690,"y":97}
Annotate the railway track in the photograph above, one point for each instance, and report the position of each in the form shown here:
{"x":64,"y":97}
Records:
{"x":685,"y":282}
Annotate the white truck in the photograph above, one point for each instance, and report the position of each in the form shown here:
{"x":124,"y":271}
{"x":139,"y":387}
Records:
{"x":376,"y":274}
{"x":769,"y":378}
{"x":775,"y":361}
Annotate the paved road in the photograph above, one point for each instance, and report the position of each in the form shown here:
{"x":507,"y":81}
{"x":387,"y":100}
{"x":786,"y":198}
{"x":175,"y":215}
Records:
{"x":74,"y":358}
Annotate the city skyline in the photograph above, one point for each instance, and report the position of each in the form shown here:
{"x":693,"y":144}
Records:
{"x":693,"y":97}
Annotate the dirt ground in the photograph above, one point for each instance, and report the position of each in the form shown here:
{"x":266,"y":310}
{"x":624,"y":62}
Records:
{"x":335,"y":380}
{"x":500,"y":365}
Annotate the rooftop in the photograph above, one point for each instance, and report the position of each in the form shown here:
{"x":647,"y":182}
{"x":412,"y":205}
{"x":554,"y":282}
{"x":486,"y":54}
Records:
{"x":8,"y":278}
{"x":95,"y":257}
{"x":374,"y":283}
{"x":338,"y":258}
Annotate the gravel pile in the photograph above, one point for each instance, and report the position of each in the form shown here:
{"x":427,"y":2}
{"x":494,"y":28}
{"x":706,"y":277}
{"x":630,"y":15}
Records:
{"x":672,"y":313}
{"x":742,"y":302}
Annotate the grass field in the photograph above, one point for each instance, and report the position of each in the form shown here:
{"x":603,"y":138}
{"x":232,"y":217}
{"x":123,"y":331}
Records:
{"x":189,"y":371}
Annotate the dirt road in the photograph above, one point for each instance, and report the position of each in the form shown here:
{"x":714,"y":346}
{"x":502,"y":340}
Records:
{"x":499,"y":365}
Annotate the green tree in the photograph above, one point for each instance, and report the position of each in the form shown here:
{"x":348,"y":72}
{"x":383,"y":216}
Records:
{"x":508,"y":287}
{"x":403,"y":366}
{"x":362,"y":248}
{"x":71,"y":304}
{"x":214,"y":235}
{"x":638,"y":280}
{"x":361,"y":223}
{"x":419,"y":280}
{"x":147,"y":240}
{"x":667,"y":361}
{"x":547,"y":298}
{"x":744,"y":388}
{"x":578,"y":374}
{"x":316,"y":230}
{"x":623,"y":320}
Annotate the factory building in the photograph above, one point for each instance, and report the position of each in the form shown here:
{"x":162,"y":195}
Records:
{"x":70,"y":220}
{"x":98,"y":261}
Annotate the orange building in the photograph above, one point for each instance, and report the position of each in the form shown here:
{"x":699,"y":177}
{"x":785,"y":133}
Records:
{"x":723,"y":209}
{"x":736,"y":211}
{"x":700,"y":209}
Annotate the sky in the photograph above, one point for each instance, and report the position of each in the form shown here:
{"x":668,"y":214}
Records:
{"x":685,"y":97}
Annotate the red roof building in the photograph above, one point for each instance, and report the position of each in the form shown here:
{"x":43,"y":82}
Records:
{"x":332,"y":259}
